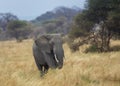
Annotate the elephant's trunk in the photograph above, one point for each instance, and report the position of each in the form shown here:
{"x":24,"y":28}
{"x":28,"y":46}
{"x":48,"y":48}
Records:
{"x":59,"y":54}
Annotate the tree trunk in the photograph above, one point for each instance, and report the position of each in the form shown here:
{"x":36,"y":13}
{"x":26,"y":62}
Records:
{"x":105,"y":39}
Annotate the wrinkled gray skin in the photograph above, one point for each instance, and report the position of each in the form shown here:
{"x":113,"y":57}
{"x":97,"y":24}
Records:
{"x":48,"y":52}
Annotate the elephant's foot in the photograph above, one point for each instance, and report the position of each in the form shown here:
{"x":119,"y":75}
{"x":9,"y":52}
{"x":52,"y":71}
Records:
{"x":42,"y":74}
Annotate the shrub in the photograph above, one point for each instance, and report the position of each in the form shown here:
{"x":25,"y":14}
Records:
{"x":92,"y":48}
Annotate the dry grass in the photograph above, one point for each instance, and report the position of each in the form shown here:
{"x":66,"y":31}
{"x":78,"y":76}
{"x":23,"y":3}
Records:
{"x":17,"y":67}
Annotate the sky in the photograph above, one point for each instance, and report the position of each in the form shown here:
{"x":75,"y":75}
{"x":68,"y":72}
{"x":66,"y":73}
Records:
{"x":30,"y":9}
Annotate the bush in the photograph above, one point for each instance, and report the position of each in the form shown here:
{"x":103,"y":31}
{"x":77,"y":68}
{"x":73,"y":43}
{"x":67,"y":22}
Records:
{"x":19,"y":29}
{"x":76,"y":32}
{"x":20,"y":39}
{"x":92,"y":48}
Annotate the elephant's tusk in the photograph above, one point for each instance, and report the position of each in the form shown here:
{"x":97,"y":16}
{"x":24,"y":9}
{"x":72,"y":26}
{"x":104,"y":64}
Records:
{"x":56,"y":58}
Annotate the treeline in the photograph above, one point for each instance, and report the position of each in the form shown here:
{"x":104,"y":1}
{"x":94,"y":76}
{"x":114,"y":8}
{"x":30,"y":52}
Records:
{"x":96,"y":25}
{"x":11,"y":27}
{"x":58,"y":20}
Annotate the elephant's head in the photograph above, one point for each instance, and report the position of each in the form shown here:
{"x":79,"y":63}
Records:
{"x":56,"y":42}
{"x":52,"y":45}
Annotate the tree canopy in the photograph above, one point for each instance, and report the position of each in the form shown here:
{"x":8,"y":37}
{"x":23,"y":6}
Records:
{"x":18,"y":29}
{"x":103,"y":12}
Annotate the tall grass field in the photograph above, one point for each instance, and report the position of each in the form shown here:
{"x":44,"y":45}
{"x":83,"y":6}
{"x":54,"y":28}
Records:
{"x":18,"y":68}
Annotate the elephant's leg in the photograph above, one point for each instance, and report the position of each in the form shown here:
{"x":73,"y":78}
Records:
{"x":40,"y":67}
{"x":46,"y":67}
{"x":42,"y":71}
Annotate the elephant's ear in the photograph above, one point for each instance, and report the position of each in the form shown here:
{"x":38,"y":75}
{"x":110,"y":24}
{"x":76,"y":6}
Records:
{"x":43,"y":44}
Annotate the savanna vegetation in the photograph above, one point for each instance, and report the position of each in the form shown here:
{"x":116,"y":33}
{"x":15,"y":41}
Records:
{"x":17,"y":67}
{"x":97,"y":24}
{"x":93,"y":33}
{"x":56,"y":21}
{"x":19,"y":29}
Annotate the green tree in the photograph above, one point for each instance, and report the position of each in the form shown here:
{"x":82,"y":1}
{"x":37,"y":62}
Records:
{"x":18,"y":29}
{"x":106,"y":11}
{"x":81,"y":26}
{"x":97,"y":11}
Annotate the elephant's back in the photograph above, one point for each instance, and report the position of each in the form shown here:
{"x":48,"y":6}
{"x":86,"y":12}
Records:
{"x":38,"y":55}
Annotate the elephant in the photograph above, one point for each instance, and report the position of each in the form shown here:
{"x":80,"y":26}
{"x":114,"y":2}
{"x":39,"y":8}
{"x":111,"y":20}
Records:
{"x":48,"y":52}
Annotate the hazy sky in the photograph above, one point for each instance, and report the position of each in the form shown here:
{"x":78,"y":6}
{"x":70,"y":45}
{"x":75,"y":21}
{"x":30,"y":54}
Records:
{"x":30,"y":9}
